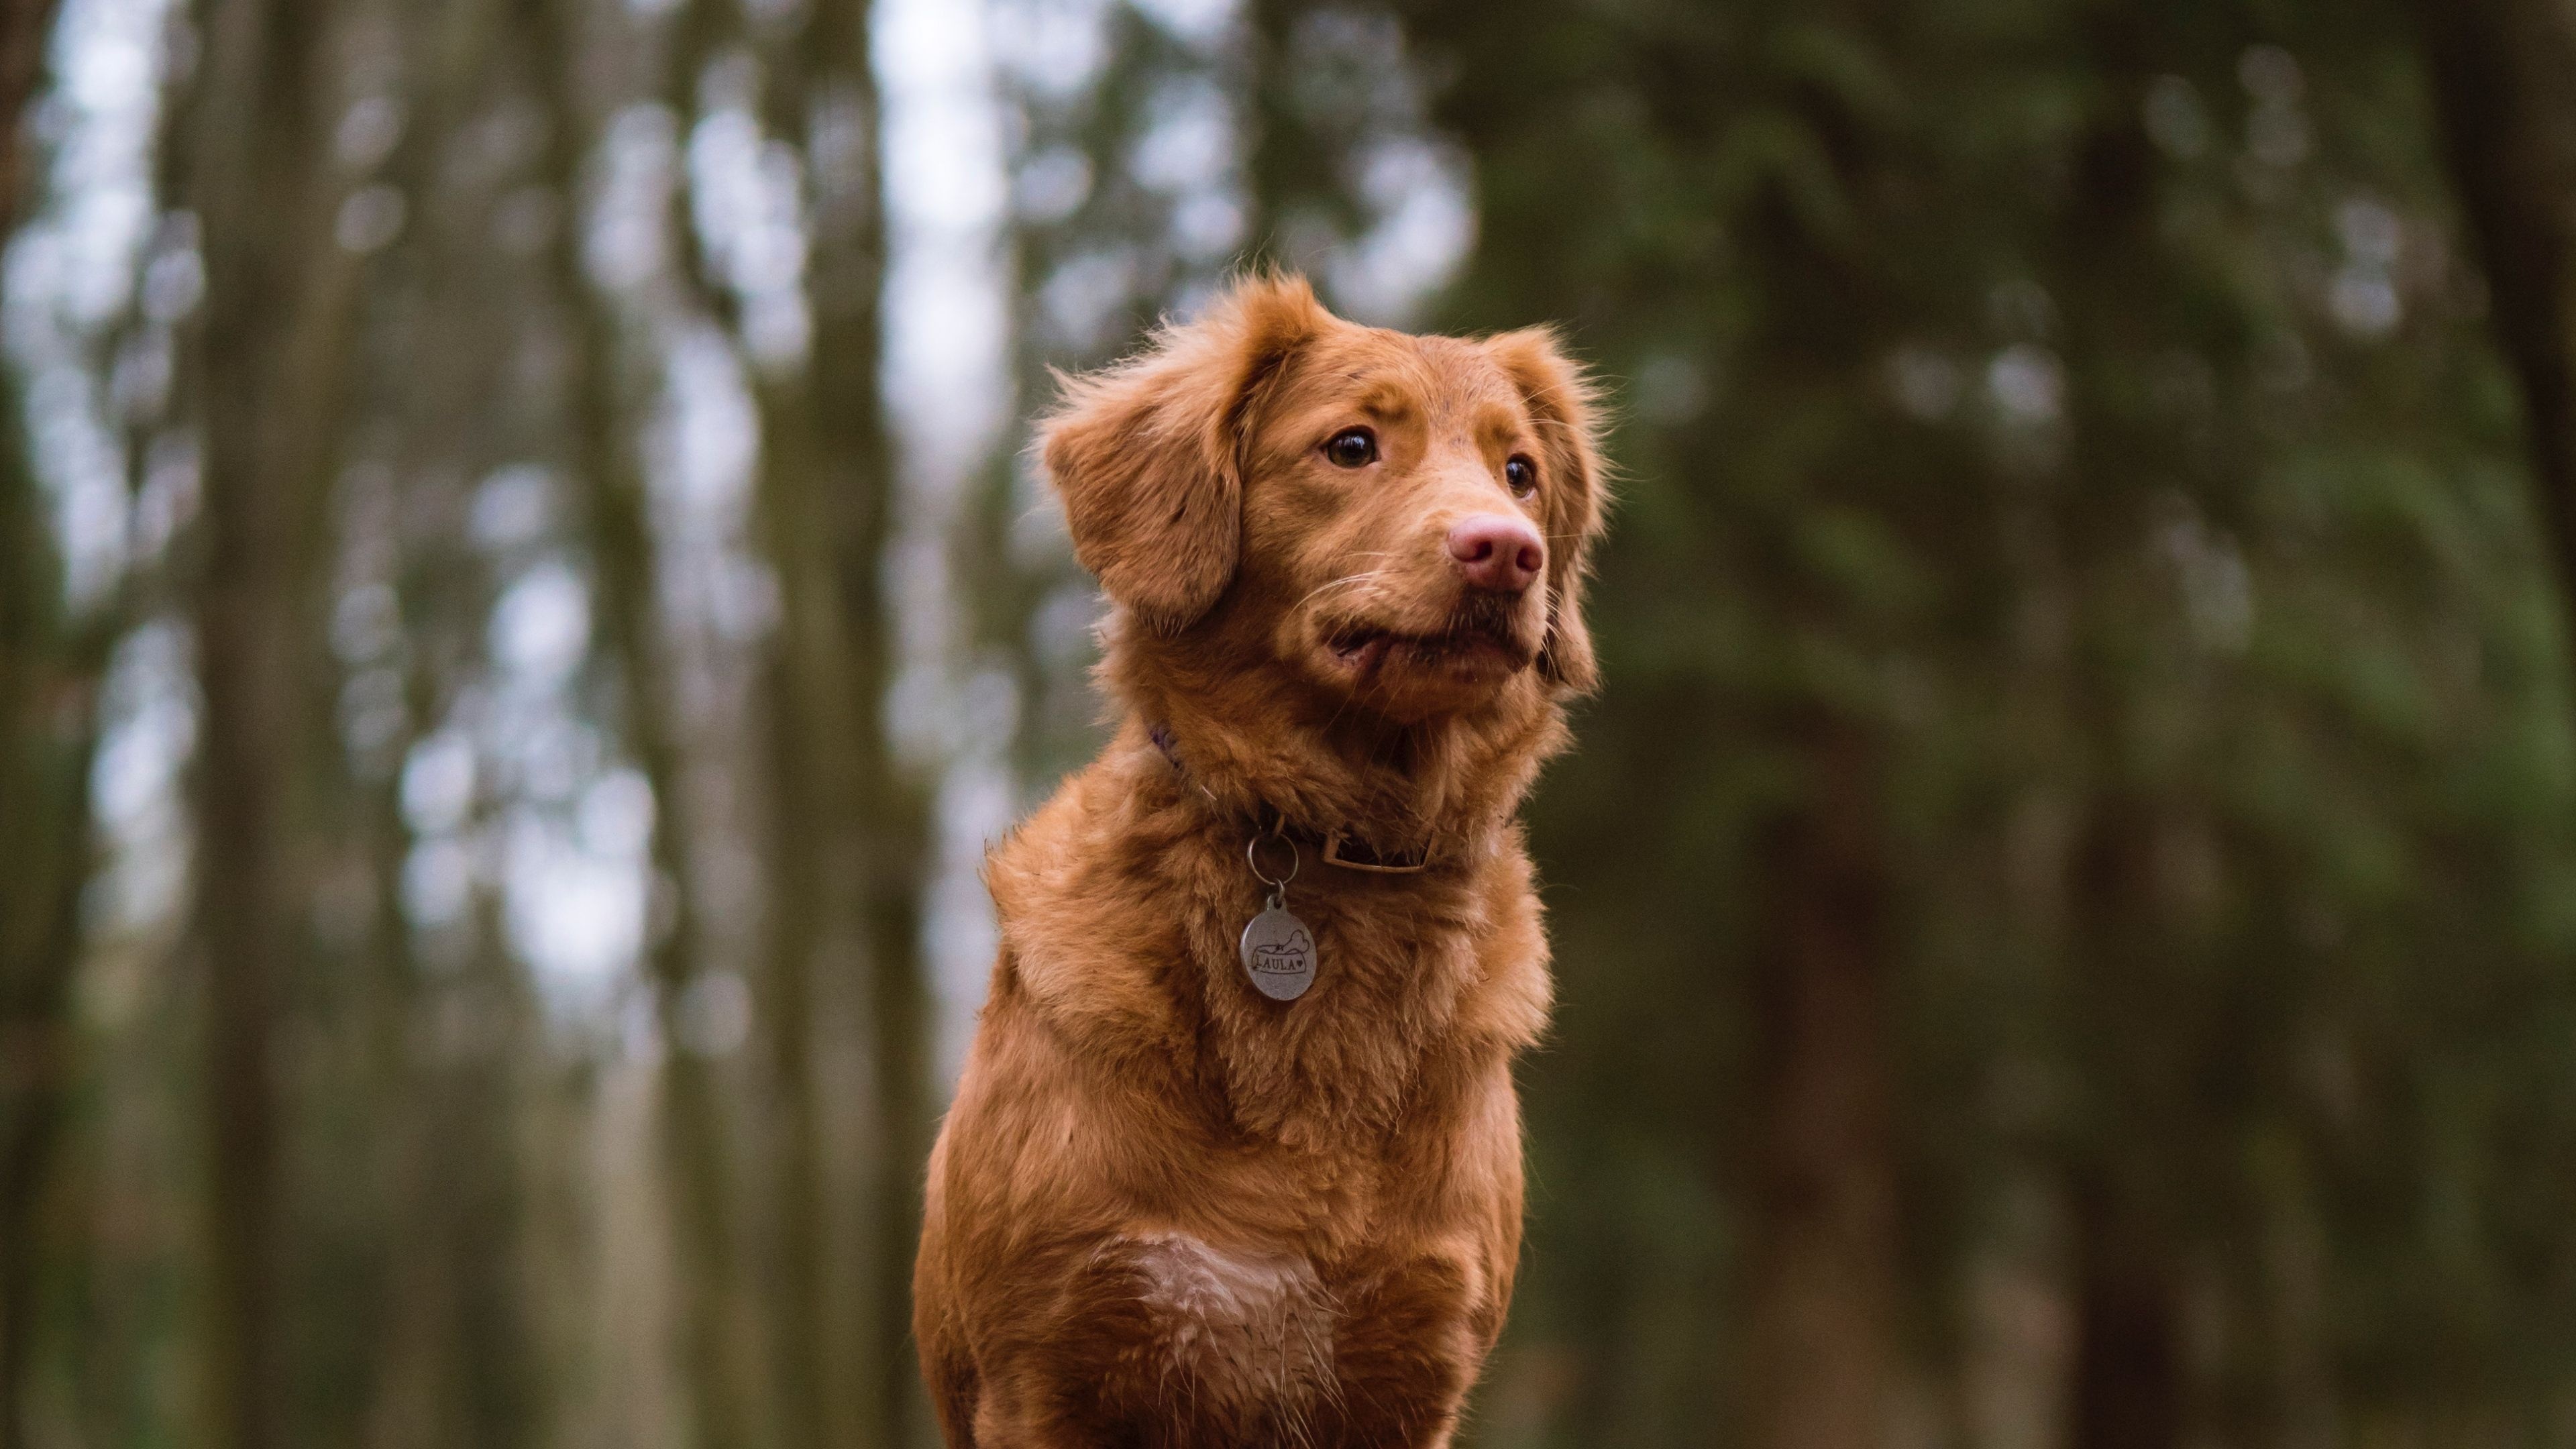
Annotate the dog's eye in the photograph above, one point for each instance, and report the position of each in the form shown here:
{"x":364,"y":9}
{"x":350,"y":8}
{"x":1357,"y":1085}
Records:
{"x":1521,"y":475}
{"x":1352,"y":448}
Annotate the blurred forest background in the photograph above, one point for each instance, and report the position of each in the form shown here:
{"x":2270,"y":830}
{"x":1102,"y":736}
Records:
{"x":521,"y":603}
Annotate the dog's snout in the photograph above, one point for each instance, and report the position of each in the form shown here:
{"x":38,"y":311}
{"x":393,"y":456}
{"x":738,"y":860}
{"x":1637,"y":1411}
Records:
{"x":1496,"y":552}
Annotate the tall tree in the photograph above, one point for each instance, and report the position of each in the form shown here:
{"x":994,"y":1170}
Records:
{"x":49,"y":668}
{"x":45,"y":741}
{"x":627,"y":573}
{"x":269,"y":349}
{"x":2504,"y":78}
{"x":440,"y":1076}
{"x":854,"y":483}
{"x":1825,"y":1294}
{"x":47,"y":733}
{"x":848,"y":827}
{"x":23,"y":33}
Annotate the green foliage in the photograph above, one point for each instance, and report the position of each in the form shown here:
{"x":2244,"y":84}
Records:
{"x":2010,"y":378}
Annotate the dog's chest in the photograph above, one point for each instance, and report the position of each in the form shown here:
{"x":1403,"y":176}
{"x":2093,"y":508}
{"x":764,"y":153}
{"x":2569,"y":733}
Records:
{"x":1250,"y":1330}
{"x":1264,"y":1347}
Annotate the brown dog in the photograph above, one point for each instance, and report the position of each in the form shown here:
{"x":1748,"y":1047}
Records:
{"x":1178,"y":1203}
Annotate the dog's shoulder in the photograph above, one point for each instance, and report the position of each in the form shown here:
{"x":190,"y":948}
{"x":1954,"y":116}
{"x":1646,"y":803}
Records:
{"x":1506,"y":1004}
{"x":1085,"y":945}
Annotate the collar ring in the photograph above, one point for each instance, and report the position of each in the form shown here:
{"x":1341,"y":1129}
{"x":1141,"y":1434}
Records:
{"x":1252,"y":857}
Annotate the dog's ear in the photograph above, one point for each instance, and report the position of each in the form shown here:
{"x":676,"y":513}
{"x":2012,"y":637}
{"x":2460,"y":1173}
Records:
{"x":1148,"y":455}
{"x":1573,"y":492}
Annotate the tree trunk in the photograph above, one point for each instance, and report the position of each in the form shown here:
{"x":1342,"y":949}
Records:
{"x":48,"y":732}
{"x":269,"y":352}
{"x":25,"y":27}
{"x":2504,"y":80}
{"x":460,"y":1357}
{"x":44,"y":857}
{"x":809,"y":810}
{"x":901,"y":1010}
{"x":817,"y":749}
{"x":2128,"y":1353}
{"x":2119,"y":277}
{"x":848,"y":491}
{"x":624,"y":572}
{"x":2128,"y":1389}
{"x":1825,"y":1239}
{"x":48,"y":728}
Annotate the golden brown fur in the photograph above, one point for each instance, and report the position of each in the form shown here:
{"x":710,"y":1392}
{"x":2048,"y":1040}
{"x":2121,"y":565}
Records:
{"x":1165,"y":1209}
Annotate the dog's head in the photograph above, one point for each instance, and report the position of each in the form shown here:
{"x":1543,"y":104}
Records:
{"x":1394,"y":524}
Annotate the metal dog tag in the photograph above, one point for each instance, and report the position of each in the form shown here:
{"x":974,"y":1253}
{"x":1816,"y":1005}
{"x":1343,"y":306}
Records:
{"x":1279,"y":953}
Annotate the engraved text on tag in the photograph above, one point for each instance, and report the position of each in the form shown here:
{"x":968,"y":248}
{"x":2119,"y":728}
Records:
{"x":1279,"y":954}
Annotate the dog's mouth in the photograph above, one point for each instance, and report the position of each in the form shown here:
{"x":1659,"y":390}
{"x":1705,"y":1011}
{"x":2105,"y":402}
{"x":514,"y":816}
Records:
{"x":1472,"y":646}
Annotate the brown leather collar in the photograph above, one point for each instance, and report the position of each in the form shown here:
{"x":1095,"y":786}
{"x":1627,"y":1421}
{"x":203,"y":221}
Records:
{"x":1340,"y":847}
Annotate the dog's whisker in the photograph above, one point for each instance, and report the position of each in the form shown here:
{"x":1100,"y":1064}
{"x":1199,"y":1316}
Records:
{"x":1344,"y":581}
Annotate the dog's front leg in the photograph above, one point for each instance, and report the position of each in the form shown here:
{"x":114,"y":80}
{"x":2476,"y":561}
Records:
{"x":1412,"y":1339}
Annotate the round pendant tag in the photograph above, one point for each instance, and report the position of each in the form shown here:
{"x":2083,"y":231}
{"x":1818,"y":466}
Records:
{"x":1279,"y":954}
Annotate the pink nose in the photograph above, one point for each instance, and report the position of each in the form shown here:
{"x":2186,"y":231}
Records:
{"x":1496,"y":552}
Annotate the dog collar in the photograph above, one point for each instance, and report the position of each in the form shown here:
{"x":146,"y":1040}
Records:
{"x":1339,"y":847}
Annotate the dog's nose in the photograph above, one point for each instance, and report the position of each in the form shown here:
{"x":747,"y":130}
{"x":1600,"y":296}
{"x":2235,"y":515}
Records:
{"x":1496,"y":552}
